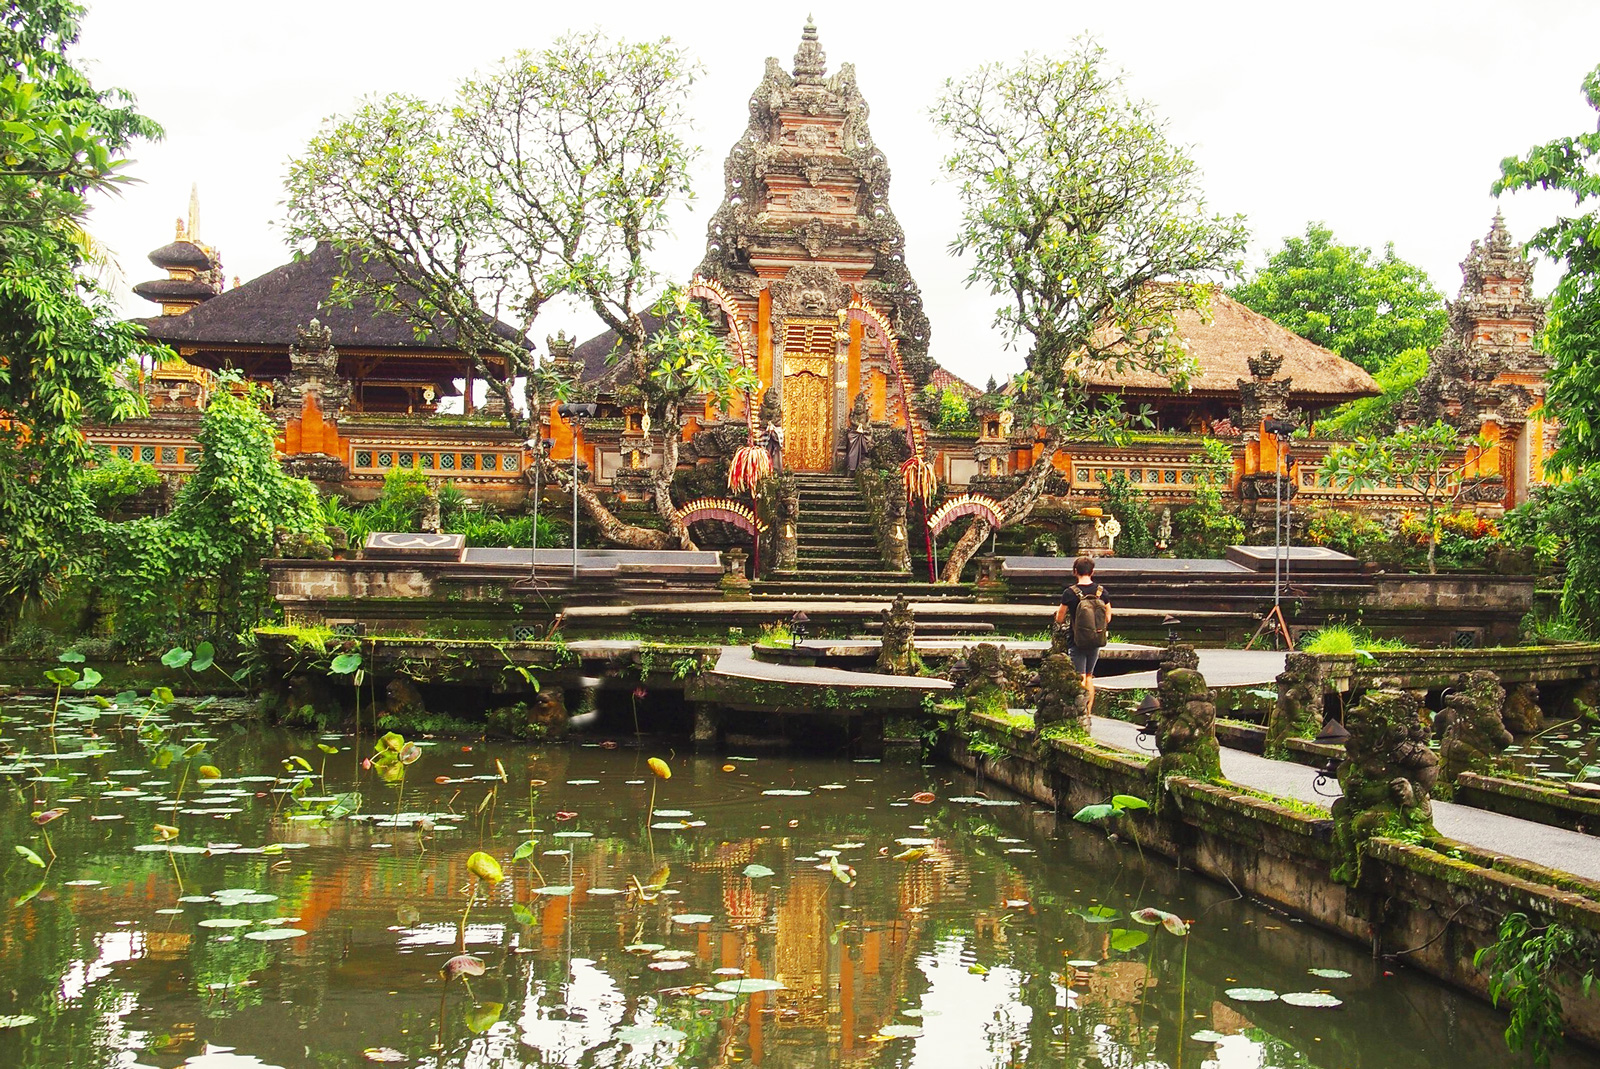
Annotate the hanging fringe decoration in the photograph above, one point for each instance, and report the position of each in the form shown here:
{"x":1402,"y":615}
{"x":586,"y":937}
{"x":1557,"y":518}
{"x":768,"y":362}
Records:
{"x":920,"y":480}
{"x":750,"y":465}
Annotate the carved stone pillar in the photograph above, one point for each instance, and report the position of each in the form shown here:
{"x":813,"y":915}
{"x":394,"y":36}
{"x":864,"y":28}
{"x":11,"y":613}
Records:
{"x":785,"y":541}
{"x":1387,"y":776}
{"x":1186,"y":729}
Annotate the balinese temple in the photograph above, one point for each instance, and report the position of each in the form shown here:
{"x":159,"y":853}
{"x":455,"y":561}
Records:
{"x":805,"y":263}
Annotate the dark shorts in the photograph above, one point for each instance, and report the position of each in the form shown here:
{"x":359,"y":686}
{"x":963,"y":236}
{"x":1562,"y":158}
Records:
{"x":1084,"y":660}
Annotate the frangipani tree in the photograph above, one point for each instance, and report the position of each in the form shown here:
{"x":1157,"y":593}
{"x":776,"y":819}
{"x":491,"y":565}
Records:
{"x":549,"y":175}
{"x":1429,"y":461}
{"x":1077,"y":210}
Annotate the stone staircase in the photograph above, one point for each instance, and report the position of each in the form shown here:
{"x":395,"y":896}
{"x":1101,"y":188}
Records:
{"x":838,"y":551}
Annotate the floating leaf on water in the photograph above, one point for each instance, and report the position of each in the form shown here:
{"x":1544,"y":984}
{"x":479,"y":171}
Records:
{"x":900,"y":1031}
{"x":1330,"y":974}
{"x":382,"y":1054}
{"x":461,"y":965}
{"x":574,"y":835}
{"x":1312,"y":1000}
{"x":224,"y":922}
{"x":674,"y":955}
{"x":1206,"y":1035}
{"x":728,"y":970}
{"x":648,"y":1035}
{"x":272,"y":935}
{"x":17,"y":1020}
{"x":1083,"y":963}
{"x":784,"y":792}
{"x":671,"y":813}
{"x":749,"y":986}
{"x":756,"y":871}
{"x":644,"y":948}
{"x":1251,"y":994}
{"x":714,"y":996}
{"x":691,"y":918}
{"x":668,"y":966}
{"x":915,"y":842}
{"x":555,"y":890}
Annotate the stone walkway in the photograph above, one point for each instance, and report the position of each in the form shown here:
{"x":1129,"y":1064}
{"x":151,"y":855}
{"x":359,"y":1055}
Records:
{"x":1222,"y":668}
{"x":1568,"y":851}
{"x":740,"y":663}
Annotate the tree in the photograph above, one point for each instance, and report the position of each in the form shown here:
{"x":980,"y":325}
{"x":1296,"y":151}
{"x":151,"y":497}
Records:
{"x":195,"y":573}
{"x":549,"y":175}
{"x":64,"y":354}
{"x":1428,"y":461}
{"x":1080,"y":213}
{"x":1572,"y":332}
{"x":1367,"y":309}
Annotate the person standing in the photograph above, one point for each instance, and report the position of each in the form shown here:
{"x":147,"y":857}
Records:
{"x":1087,"y":614}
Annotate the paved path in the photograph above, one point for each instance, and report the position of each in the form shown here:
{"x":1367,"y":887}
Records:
{"x":1222,"y":668}
{"x":740,"y":663}
{"x":1569,"y":851}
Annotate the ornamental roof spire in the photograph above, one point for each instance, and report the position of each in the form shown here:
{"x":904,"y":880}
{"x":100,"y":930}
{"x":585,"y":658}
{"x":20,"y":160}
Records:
{"x":810,"y":62}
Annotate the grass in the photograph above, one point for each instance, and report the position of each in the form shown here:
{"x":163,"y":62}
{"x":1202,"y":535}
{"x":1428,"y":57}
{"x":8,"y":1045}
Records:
{"x":776,"y":635}
{"x":1338,"y":639}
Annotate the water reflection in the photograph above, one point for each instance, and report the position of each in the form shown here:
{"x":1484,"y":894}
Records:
{"x":848,"y":925}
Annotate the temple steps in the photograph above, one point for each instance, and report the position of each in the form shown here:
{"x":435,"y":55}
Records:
{"x":837,"y":551}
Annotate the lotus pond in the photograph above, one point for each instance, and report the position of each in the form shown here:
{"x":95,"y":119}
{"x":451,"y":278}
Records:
{"x":191,"y":889}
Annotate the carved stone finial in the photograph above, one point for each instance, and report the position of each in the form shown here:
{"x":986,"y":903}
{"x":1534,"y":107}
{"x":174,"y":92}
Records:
{"x":1265,"y":364}
{"x":313,"y":370}
{"x":810,"y":62}
{"x":561,"y":348}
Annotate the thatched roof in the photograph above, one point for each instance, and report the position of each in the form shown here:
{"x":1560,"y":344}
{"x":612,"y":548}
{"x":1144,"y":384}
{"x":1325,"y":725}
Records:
{"x":1223,"y":347}
{"x":266,"y":311}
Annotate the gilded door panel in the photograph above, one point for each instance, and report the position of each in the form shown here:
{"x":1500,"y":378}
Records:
{"x":808,"y":421}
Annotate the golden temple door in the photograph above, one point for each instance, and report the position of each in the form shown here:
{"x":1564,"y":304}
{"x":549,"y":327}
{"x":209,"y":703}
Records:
{"x":808,"y":394}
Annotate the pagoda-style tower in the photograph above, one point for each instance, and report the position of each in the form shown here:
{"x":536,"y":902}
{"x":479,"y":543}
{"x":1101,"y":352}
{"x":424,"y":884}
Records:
{"x":805,"y":221}
{"x":1486,"y":376}
{"x":194,"y":270}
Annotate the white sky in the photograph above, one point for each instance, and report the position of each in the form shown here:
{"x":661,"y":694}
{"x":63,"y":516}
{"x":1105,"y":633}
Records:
{"x":1384,"y":119}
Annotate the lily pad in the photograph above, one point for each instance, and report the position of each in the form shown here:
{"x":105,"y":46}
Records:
{"x":692,"y":918}
{"x":901,"y":1031}
{"x":272,"y":935}
{"x":555,"y":890}
{"x":17,"y":1020}
{"x":644,"y":948}
{"x":714,"y":996}
{"x":1313,"y":1000}
{"x":755,"y":871}
{"x":224,"y":922}
{"x":668,"y":966}
{"x":1207,"y":1035}
{"x":782,"y":792}
{"x":1330,"y":974}
{"x":749,"y":986}
{"x":1251,"y":994}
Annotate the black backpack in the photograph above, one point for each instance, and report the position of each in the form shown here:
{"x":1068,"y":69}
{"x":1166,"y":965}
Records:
{"x":1090,"y":620}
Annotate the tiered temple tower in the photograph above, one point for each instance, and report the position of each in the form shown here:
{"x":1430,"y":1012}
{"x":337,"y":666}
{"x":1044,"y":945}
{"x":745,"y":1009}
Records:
{"x":804,"y":222}
{"x":1486,"y":376}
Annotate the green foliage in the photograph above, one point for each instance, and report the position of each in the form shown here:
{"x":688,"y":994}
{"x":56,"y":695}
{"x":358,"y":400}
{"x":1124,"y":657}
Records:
{"x":195,"y":573}
{"x":1368,"y":310}
{"x":1572,"y":332}
{"x":1338,"y":639}
{"x":1352,"y":533}
{"x":685,"y":359}
{"x":1206,"y":528}
{"x":1377,"y":415}
{"x":1127,"y":503}
{"x":949,"y":408}
{"x":1527,"y":962}
{"x":1564,"y":519}
{"x":63,"y":347}
{"x":115,"y":481}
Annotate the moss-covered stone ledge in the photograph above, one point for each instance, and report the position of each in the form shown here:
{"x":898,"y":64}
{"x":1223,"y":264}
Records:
{"x":1543,"y":804}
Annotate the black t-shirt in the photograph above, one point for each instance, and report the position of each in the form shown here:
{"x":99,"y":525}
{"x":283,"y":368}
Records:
{"x":1074,"y":594}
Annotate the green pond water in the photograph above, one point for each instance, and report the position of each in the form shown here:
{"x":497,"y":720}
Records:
{"x":784,"y":912}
